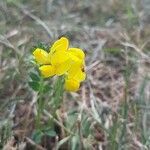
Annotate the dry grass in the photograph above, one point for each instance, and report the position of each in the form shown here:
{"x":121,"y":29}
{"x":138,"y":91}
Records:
{"x":115,"y":98}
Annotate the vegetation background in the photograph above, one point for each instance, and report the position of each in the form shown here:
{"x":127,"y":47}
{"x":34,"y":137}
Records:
{"x":111,"y":111}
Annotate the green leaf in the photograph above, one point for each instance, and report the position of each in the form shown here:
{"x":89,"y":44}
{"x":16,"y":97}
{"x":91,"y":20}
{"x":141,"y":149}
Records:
{"x":86,"y":126}
{"x":37,"y":135}
{"x":34,"y":76}
{"x":51,"y":133}
{"x":71,"y":120}
{"x":114,"y":51}
{"x":75,"y":142}
{"x":47,"y":88}
{"x":41,"y":45}
{"x":34,"y":85}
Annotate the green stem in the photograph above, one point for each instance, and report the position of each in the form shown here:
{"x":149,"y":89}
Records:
{"x":58,"y":93}
{"x":40,"y":104}
{"x":57,"y":98}
{"x":125,"y":107}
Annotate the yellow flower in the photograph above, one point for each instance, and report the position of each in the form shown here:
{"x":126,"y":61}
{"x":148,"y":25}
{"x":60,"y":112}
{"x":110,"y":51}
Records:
{"x":63,"y":57}
{"x":47,"y":70}
{"x":77,"y":73}
{"x":73,"y":78}
{"x":62,"y":60}
{"x":60,"y":45}
{"x":76,"y":52}
{"x":41,"y":56}
{"x":71,"y":85}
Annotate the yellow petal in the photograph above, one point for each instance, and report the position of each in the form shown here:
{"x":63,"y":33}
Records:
{"x":80,"y":75}
{"x":63,"y":67}
{"x":71,"y":85}
{"x":76,"y":73}
{"x":61,"y":61}
{"x":77,"y":52}
{"x":47,"y":70}
{"x":59,"y":58}
{"x":75,"y":59}
{"x":77,"y":55}
{"x":60,"y":45}
{"x":41,"y":56}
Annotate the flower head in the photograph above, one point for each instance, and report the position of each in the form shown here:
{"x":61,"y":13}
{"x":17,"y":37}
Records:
{"x":62,"y":60}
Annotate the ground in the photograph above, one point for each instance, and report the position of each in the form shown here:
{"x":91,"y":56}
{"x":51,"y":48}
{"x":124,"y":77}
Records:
{"x":112,"y":108}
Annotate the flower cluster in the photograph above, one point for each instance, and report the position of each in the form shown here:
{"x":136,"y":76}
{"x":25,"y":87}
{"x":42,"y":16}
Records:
{"x":62,"y":60}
